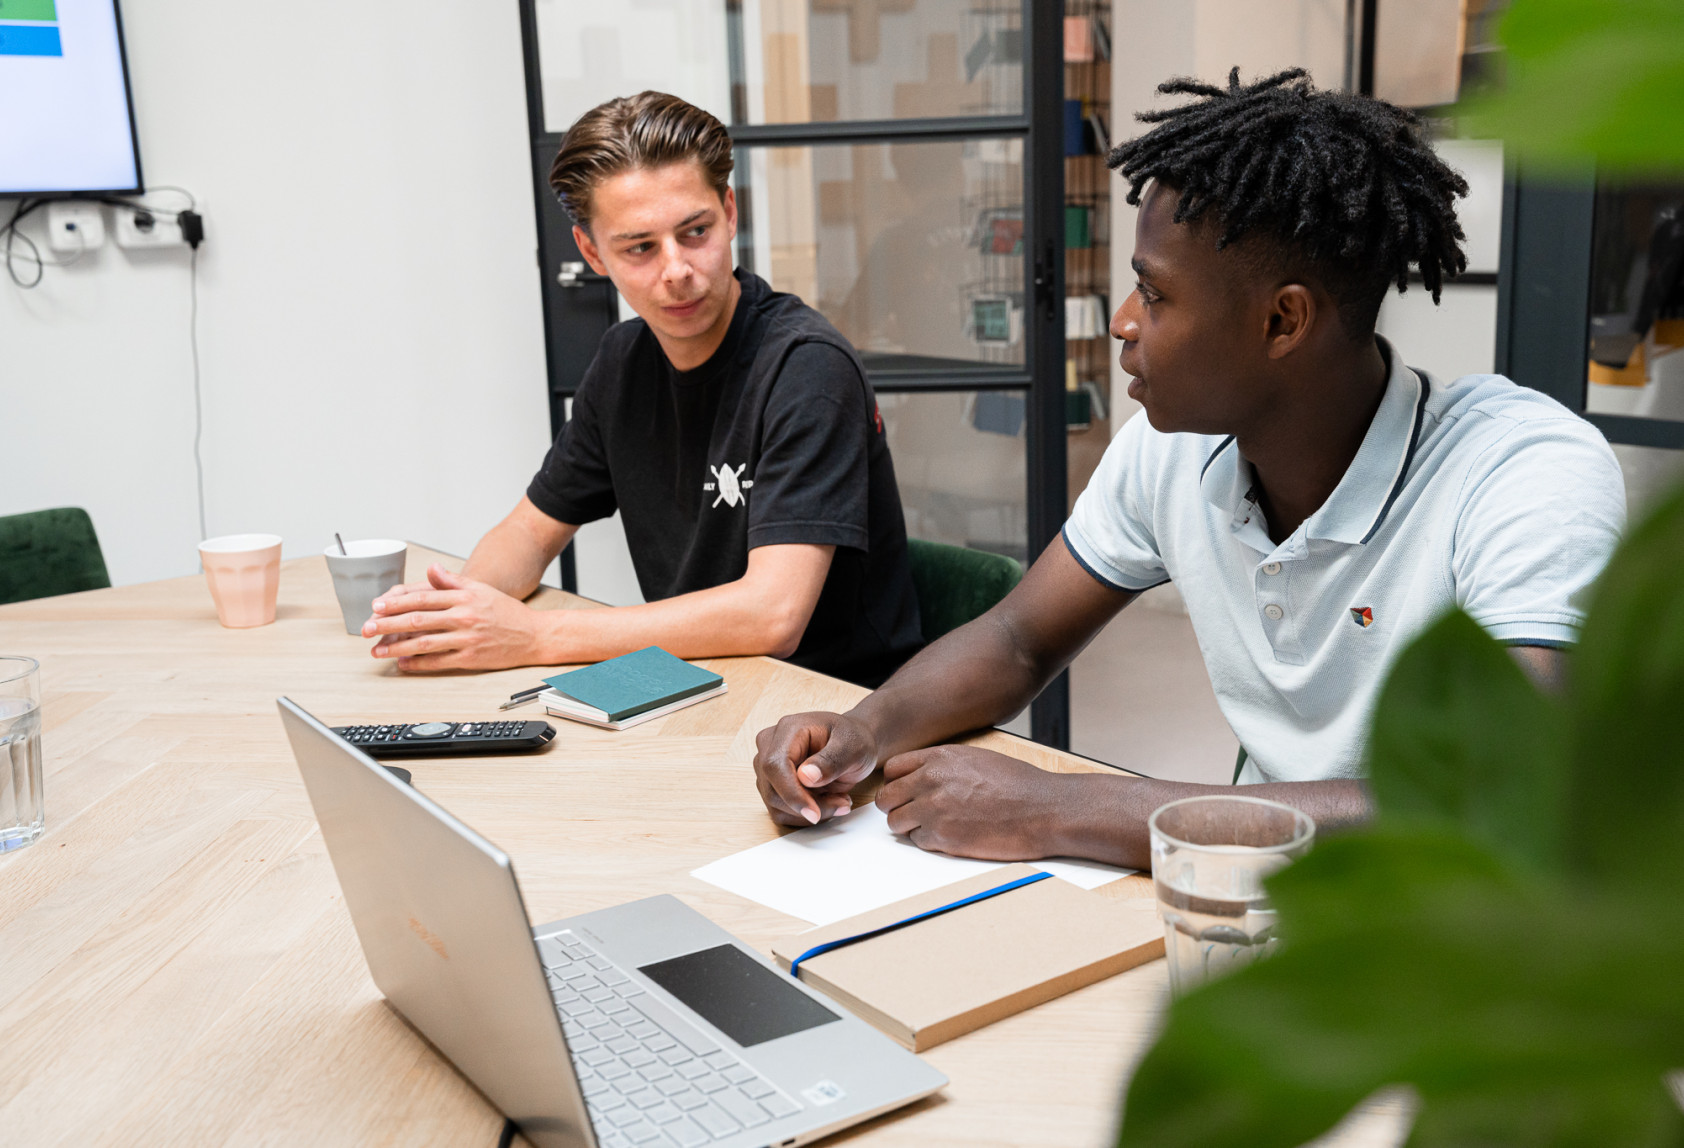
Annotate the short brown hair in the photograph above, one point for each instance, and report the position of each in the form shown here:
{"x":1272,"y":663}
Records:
{"x":650,"y":129}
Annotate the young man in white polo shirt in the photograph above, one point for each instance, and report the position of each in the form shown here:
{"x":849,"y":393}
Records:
{"x":1316,"y":501}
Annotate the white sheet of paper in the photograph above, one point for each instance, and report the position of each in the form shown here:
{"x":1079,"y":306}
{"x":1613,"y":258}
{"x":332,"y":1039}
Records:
{"x":855,"y":864}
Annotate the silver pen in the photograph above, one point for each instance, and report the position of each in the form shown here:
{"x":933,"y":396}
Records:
{"x":523,"y":697}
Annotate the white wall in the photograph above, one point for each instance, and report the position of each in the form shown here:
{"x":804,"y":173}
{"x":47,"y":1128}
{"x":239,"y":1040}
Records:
{"x":1457,"y":337}
{"x":369,"y":319}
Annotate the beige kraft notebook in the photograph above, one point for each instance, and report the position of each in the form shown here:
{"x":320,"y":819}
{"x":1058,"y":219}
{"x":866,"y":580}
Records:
{"x":942,"y":977}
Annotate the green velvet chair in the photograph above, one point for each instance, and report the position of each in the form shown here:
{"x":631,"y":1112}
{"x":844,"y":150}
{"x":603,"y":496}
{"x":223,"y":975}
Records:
{"x":955,"y":585}
{"x":47,"y":552}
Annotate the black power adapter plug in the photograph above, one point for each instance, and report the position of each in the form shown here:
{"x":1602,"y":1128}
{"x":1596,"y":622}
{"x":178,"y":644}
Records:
{"x":192,"y":227}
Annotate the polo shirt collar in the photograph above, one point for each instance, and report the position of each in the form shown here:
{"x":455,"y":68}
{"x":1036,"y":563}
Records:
{"x":1227,"y":479}
{"x":1359,"y":504}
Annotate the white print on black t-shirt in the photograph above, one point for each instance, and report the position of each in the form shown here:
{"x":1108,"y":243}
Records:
{"x":730,"y":486}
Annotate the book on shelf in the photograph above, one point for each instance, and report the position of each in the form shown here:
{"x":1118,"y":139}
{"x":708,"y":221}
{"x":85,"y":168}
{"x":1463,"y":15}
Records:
{"x":1078,"y":39}
{"x":1075,"y":129}
{"x":1099,"y":132}
{"x":1078,"y":226}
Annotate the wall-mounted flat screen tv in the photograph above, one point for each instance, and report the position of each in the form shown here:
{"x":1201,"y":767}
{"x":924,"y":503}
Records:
{"x":66,"y":118}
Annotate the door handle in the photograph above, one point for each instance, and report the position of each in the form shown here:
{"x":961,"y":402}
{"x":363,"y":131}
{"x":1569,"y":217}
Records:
{"x":576,"y":274}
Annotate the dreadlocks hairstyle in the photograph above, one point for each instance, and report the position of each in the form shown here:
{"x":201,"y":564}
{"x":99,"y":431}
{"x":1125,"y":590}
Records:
{"x":1342,"y":187}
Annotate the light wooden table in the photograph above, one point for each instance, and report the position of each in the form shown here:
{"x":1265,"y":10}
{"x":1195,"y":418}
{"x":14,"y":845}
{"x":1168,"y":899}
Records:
{"x":176,"y":963}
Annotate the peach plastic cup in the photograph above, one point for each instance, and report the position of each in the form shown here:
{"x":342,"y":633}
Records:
{"x":244,"y":573}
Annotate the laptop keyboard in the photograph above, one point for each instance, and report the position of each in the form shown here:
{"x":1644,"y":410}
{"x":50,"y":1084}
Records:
{"x":651,"y":1079}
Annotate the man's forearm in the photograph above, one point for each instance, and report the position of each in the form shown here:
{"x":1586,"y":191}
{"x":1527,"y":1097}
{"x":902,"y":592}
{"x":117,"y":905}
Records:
{"x":1104,"y":817}
{"x":716,"y":623}
{"x":764,"y":612}
{"x":974,"y":677}
{"x":511,"y":559}
{"x":985,"y":672}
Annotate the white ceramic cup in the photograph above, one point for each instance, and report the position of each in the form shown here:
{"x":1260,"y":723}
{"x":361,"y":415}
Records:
{"x":244,"y":575}
{"x":368,"y":568}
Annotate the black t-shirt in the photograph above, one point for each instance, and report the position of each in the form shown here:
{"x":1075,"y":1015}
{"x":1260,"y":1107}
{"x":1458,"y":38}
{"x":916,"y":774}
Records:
{"x":775,"y":439}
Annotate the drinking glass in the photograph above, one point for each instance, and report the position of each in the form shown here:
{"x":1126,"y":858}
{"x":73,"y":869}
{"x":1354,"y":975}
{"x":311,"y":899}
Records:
{"x":1210,"y":857}
{"x":23,"y":808}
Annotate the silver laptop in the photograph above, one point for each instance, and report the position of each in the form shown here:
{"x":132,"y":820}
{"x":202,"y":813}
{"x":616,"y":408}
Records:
{"x":644,"y":1025}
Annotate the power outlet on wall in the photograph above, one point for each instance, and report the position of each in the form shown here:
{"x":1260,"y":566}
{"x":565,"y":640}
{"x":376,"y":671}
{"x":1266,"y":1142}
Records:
{"x":75,"y":226}
{"x":143,"y":227}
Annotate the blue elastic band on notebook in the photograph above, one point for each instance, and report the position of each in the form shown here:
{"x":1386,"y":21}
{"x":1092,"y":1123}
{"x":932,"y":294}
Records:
{"x":795,"y":965}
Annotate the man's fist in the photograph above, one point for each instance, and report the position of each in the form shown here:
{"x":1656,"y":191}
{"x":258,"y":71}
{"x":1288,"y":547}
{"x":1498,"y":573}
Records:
{"x":805,"y":765}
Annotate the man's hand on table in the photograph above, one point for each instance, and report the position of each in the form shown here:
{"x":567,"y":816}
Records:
{"x":450,"y":622}
{"x":973,"y":802}
{"x":805,"y":765}
{"x":951,"y":798}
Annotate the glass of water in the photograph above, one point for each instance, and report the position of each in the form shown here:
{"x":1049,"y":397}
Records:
{"x":1210,"y":857}
{"x":23,"y":808}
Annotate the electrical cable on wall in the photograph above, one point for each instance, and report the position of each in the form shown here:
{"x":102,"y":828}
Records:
{"x":12,"y":234}
{"x":198,"y":400}
{"x":192,"y":226}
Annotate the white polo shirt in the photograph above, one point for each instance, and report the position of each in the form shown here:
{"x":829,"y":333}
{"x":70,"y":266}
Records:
{"x":1478,"y":493}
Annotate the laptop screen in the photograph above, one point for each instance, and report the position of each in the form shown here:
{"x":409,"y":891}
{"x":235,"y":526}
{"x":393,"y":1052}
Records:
{"x":738,"y":995}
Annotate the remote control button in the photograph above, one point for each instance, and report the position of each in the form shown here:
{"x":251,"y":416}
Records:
{"x":429,"y":729}
{"x":467,"y":727}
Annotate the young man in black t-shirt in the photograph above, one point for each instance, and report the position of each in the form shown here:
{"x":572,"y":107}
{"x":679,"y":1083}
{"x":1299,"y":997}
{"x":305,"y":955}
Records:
{"x":731,"y":426}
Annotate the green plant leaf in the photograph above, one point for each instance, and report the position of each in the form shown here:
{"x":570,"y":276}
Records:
{"x":1418,"y":957}
{"x":1278,"y":1053}
{"x":1461,"y":737}
{"x":1626,"y":804}
{"x":1628,"y":1111}
{"x":1590,"y":79}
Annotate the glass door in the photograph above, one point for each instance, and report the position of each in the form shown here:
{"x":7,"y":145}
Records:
{"x":900,"y":167}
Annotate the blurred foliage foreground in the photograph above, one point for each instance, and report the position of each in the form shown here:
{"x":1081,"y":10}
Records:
{"x":1506,"y":938}
{"x":1590,"y":79}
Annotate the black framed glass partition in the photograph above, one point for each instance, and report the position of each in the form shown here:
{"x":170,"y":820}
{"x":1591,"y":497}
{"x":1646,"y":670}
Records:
{"x":913,"y":250}
{"x":900,"y":166}
{"x":1636,"y":368}
{"x":1591,"y":300}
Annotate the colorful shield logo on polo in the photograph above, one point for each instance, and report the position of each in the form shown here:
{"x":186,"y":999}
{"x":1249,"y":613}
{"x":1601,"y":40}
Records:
{"x":1362,"y":616}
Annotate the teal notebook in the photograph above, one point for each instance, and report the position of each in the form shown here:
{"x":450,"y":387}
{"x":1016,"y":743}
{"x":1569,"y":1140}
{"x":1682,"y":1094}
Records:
{"x":633,"y":683}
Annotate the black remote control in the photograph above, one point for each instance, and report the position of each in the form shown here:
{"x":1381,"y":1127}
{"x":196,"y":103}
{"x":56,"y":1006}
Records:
{"x":448,"y":738}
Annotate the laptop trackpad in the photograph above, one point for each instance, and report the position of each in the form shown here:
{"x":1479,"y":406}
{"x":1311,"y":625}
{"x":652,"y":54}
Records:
{"x":738,"y":995}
